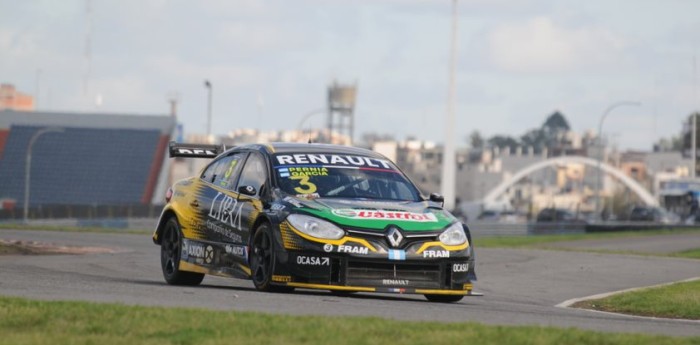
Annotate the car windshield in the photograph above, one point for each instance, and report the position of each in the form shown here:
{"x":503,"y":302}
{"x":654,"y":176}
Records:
{"x":329,"y":175}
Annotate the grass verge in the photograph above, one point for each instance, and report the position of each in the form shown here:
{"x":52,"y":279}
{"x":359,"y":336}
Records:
{"x":678,"y":301}
{"x":549,"y":242}
{"x":692,"y":254}
{"x":25,"y":321}
{"x":8,"y":226}
{"x":540,"y":241}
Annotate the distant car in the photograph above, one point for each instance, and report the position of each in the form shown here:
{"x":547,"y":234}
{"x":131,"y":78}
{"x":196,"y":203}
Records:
{"x":556,"y":215}
{"x":501,"y":216}
{"x":489,"y":215}
{"x":311,"y":216}
{"x":652,"y":214}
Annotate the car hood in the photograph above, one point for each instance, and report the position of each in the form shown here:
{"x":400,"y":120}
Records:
{"x":375,"y":215}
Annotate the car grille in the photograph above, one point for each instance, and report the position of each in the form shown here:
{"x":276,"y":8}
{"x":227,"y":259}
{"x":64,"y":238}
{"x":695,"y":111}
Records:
{"x":408,"y":239}
{"x":418,"y":275}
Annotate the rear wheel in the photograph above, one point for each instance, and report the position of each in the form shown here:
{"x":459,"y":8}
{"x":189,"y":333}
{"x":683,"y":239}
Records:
{"x":444,"y":298}
{"x":263,"y":259}
{"x":170,"y":249}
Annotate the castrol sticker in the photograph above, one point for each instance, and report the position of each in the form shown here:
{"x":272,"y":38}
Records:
{"x":385,"y":215}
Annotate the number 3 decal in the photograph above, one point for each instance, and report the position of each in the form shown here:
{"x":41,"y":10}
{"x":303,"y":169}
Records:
{"x":304,"y":182}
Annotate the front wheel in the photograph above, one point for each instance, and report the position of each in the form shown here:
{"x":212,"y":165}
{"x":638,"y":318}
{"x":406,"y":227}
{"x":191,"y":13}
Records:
{"x":444,"y":298}
{"x":170,"y":249}
{"x":263,"y":259}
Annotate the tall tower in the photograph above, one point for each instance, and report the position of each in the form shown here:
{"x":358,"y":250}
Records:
{"x":341,"y":109}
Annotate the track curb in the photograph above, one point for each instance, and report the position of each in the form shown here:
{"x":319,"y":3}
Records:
{"x":568,"y":303}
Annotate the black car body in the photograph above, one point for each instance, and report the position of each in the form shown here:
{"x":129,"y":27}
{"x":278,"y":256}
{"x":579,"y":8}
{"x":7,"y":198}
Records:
{"x":311,"y":216}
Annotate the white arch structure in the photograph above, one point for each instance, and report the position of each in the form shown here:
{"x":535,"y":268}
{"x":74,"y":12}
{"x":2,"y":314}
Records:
{"x":646,"y":197}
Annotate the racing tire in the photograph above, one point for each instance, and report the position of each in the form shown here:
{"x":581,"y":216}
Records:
{"x":444,"y":298}
{"x":170,"y":249}
{"x":263,"y":260}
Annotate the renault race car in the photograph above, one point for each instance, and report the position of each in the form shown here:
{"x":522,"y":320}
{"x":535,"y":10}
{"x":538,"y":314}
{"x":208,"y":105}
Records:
{"x":311,"y":216}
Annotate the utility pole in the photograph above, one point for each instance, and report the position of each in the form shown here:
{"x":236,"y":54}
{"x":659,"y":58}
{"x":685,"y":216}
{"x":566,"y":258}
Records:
{"x":28,"y":166}
{"x":208,"y":85}
{"x":693,"y":134}
{"x":601,"y":148}
{"x":88,"y":49}
{"x":37,"y":93}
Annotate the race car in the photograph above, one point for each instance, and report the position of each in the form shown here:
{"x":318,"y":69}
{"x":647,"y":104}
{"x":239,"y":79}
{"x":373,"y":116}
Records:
{"x":312,"y":216}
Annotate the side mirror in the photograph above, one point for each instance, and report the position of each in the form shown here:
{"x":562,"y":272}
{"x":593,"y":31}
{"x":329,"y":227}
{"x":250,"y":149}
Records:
{"x":435,"y":197}
{"x":247,"y":190}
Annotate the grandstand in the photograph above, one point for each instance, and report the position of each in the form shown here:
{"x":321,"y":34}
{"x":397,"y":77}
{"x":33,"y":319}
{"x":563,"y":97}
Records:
{"x":97,"y":161}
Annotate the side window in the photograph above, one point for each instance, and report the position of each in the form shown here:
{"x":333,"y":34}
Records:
{"x":254,"y":173}
{"x":224,"y":171}
{"x":227,"y":171}
{"x":210,"y":172}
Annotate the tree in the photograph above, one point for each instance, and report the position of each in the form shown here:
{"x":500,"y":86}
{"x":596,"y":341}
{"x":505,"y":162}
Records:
{"x":502,"y":141}
{"x":476,"y":141}
{"x":534,"y":138}
{"x":556,"y":123}
{"x":674,"y":143}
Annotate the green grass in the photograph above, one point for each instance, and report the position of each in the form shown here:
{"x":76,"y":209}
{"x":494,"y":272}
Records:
{"x":549,"y":242}
{"x":10,"y":226}
{"x":679,"y":301}
{"x":541,"y":241}
{"x":692,"y":254}
{"x":38,"y":322}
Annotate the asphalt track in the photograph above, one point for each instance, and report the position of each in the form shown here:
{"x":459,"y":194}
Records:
{"x":521,"y":287}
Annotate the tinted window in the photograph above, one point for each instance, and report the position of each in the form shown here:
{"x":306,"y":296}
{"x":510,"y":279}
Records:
{"x":224,"y":171}
{"x":254,"y":173}
{"x":342,"y":176}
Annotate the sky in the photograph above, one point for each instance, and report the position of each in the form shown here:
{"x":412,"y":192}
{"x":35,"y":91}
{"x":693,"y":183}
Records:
{"x":270,"y":62}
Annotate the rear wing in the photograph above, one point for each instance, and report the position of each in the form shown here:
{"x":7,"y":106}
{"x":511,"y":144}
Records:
{"x":195,"y":150}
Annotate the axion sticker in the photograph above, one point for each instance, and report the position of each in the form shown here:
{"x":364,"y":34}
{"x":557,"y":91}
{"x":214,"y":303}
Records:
{"x":390,"y":215}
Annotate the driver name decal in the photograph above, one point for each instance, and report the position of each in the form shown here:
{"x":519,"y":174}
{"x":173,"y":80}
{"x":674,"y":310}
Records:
{"x":385,"y":215}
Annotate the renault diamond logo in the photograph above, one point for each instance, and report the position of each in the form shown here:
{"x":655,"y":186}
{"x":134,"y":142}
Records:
{"x":394,"y":236}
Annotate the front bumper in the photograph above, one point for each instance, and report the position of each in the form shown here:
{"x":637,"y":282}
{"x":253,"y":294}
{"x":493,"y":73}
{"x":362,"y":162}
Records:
{"x":366,"y":263}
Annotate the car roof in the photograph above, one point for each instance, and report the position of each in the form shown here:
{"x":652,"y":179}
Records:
{"x":274,"y":148}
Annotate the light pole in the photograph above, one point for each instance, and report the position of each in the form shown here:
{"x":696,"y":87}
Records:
{"x":207,"y":84}
{"x":28,"y":166}
{"x":448,"y":155}
{"x":300,"y":126}
{"x":600,"y":148}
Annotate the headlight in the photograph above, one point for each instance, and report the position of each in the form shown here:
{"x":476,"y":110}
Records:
{"x":454,"y":235}
{"x":315,"y":227}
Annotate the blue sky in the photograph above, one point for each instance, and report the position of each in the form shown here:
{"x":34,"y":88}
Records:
{"x":518,"y":61}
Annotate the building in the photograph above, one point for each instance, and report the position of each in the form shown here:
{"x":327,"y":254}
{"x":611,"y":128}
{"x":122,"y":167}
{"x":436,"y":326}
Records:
{"x":84,"y":160}
{"x":12,"y":99}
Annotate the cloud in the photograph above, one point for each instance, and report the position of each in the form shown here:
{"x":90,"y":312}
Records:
{"x":540,"y":45}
